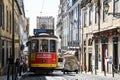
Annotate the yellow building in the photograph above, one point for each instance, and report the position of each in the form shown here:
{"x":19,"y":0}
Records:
{"x":101,"y":35}
{"x":6,"y":32}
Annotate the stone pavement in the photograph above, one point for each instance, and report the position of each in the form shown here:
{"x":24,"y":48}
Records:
{"x":84,"y":76}
{"x":99,"y":76}
{"x":4,"y":77}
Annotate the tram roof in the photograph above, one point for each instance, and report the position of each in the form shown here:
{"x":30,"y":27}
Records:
{"x":44,"y":36}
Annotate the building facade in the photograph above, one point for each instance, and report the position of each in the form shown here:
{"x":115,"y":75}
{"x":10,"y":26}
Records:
{"x":69,"y":24}
{"x":100,"y":35}
{"x":86,"y":24}
{"x":6,"y":32}
{"x":45,"y":22}
{"x":59,"y":25}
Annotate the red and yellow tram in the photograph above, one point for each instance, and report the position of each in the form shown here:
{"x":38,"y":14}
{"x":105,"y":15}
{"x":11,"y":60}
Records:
{"x":43,"y":53}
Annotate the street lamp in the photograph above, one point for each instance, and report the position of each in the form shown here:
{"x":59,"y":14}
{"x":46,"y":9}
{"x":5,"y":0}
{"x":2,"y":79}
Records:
{"x":106,"y":9}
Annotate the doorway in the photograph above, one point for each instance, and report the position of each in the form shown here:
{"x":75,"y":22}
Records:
{"x":115,"y":52}
{"x":90,"y":62}
{"x":104,"y":48}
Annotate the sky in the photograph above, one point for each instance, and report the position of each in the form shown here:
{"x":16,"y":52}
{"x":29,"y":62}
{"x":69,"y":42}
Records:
{"x":34,"y":8}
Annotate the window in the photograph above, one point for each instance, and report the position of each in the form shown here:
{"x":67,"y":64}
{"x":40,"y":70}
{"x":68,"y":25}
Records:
{"x":90,"y":42}
{"x":84,"y":42}
{"x":104,"y":14}
{"x":3,"y":51}
{"x":52,"y":46}
{"x":45,"y":45}
{"x":116,"y":6}
{"x":1,"y":16}
{"x":10,"y":22}
{"x":85,"y":19}
{"x":96,"y":15}
{"x":6,"y":19}
{"x":34,"y":46}
{"x":90,"y":16}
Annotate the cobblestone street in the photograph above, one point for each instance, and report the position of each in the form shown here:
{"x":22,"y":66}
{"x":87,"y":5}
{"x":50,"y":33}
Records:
{"x":70,"y":76}
{"x":100,"y":76}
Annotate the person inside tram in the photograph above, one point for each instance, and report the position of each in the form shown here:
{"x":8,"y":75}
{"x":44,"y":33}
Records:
{"x":45,"y":48}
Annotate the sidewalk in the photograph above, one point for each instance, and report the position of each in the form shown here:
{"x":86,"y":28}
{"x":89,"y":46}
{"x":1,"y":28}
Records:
{"x":4,"y":77}
{"x":102,"y":74}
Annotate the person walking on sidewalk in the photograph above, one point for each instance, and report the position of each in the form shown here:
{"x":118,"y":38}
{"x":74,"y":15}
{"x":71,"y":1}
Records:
{"x":17,"y":66}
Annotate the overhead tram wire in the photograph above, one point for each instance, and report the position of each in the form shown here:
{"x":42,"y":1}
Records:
{"x":42,"y":6}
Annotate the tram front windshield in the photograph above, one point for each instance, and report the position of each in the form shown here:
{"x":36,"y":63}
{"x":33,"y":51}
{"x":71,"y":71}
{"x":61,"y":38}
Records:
{"x":43,"y":45}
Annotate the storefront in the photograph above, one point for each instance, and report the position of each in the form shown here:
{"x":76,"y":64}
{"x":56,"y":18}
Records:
{"x":106,"y":45}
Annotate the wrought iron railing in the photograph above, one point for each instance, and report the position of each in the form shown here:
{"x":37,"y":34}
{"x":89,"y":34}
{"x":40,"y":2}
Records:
{"x":115,"y":69}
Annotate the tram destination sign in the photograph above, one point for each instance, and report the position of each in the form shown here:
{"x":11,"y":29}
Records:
{"x":38,"y":31}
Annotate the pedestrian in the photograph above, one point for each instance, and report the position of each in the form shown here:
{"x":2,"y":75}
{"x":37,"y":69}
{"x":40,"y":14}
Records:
{"x":10,"y":64}
{"x":21,"y":67}
{"x":17,"y":66}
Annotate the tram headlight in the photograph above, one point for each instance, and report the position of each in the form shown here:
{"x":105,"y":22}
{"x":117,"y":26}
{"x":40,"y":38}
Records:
{"x":43,"y":61}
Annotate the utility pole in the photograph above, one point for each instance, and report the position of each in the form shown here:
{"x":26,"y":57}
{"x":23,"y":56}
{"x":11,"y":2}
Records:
{"x":13,"y":45}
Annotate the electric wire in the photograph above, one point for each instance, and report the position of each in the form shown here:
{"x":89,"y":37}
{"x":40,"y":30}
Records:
{"x":42,"y":6}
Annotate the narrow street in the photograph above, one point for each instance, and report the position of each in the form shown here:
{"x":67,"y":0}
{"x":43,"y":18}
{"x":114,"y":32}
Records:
{"x":57,"y":75}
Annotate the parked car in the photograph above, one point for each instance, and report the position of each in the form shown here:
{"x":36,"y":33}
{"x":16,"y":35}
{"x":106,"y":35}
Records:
{"x":70,"y":64}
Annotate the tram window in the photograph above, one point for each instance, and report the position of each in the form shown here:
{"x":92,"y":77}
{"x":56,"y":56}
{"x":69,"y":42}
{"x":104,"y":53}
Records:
{"x":52,"y":46}
{"x":44,"y":45}
{"x":34,"y":46}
